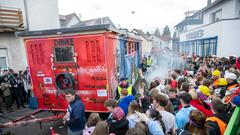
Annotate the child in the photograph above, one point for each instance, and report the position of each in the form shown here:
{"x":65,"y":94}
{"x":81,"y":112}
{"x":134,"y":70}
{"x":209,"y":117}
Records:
{"x":93,"y":119}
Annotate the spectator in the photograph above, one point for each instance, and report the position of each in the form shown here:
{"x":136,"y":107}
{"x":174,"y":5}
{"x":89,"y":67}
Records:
{"x":153,"y":125}
{"x":218,"y":122}
{"x":135,"y":131}
{"x":75,"y":116}
{"x":196,"y":124}
{"x":183,"y":113}
{"x":174,"y":100}
{"x":132,"y":116}
{"x":160,"y":101}
{"x":125,"y":100}
{"x":185,"y":87}
{"x":101,"y":128}
{"x":5,"y":87}
{"x":93,"y":119}
{"x":110,"y":105}
{"x":119,"y":125}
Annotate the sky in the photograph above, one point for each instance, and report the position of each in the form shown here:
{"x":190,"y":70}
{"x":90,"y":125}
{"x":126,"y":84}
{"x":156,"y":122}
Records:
{"x":142,"y":14}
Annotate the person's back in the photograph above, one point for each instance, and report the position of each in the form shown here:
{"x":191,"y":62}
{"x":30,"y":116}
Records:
{"x":124,"y":102}
{"x":183,"y":113}
{"x":168,"y":120}
{"x":119,"y":125}
{"x":218,"y":122}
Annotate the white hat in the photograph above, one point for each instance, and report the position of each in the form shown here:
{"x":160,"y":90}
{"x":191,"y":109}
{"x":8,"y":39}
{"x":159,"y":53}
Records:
{"x":230,"y":76}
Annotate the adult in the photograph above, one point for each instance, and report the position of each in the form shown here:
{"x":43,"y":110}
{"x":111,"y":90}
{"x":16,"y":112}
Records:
{"x":124,"y":86}
{"x":183,"y":113}
{"x":75,"y":116}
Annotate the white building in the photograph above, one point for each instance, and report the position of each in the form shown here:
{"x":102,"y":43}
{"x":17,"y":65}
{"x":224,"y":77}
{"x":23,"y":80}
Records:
{"x":160,"y":42}
{"x":213,"y":30}
{"x":69,"y":20}
{"x":146,"y":41}
{"x":18,"y":15}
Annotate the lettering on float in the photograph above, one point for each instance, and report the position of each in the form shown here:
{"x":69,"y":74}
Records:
{"x":92,"y":70}
{"x":64,"y":42}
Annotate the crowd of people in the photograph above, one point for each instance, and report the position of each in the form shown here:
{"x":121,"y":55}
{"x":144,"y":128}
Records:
{"x":15,"y":89}
{"x":198,"y":100}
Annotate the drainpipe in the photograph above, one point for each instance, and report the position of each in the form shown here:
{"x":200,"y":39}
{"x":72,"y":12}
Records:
{"x":26,"y":13}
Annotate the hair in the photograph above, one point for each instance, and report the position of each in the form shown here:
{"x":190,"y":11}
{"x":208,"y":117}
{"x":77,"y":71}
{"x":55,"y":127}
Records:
{"x":196,"y":123}
{"x":101,"y":128}
{"x":141,"y":126}
{"x":161,"y":99}
{"x":155,"y":115}
{"x":172,"y":90}
{"x":152,"y":85}
{"x":177,"y":71}
{"x":185,"y":87}
{"x":169,"y":107}
{"x":111,"y":103}
{"x":207,"y":82}
{"x":135,"y":131}
{"x":153,"y":92}
{"x":185,"y":97}
{"x":93,"y":119}
{"x":218,"y":106}
{"x":134,"y":106}
{"x":157,"y":82}
{"x":70,"y":91}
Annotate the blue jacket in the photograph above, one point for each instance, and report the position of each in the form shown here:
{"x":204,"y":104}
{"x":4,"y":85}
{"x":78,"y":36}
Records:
{"x":125,"y":102}
{"x":182,"y":116}
{"x":154,"y":127}
{"x":77,"y":115}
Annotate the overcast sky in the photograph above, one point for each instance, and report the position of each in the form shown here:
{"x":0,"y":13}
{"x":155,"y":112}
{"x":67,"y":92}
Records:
{"x":149,"y":14}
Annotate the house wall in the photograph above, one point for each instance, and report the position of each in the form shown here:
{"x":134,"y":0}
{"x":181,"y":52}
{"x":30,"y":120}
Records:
{"x":146,"y":46}
{"x":42,"y":14}
{"x":15,"y":51}
{"x":228,"y":11}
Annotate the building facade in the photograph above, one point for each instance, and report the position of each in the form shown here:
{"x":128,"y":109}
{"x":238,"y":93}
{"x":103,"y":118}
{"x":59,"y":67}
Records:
{"x":147,"y":43}
{"x":213,"y":30}
{"x":20,"y":15}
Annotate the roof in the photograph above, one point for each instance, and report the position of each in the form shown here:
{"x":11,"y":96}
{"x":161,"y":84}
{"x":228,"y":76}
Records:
{"x":141,"y":33}
{"x":213,"y":4}
{"x":165,"y":38}
{"x":189,"y":20}
{"x":65,"y":19}
{"x":66,"y":30}
{"x":97,"y":21}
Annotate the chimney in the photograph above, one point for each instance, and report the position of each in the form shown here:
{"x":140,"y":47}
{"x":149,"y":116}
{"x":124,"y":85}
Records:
{"x":209,"y":2}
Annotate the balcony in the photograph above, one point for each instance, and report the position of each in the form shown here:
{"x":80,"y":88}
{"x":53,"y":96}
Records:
{"x":11,"y":19}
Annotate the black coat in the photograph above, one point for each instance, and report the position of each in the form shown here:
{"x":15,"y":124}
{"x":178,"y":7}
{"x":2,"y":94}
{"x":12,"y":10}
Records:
{"x":119,"y":127}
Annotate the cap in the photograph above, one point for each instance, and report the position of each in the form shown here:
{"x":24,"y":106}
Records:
{"x":205,"y":90}
{"x":222,"y":82}
{"x":230,"y":76}
{"x":216,"y":73}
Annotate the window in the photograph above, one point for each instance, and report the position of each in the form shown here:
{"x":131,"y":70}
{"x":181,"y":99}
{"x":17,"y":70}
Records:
{"x":64,"y":54}
{"x":216,"y":16}
{"x":93,"y":51}
{"x":3,"y":62}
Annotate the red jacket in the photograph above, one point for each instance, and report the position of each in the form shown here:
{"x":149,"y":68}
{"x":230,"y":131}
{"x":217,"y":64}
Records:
{"x":200,"y":106}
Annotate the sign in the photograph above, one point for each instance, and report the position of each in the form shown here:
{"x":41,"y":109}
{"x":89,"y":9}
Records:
{"x":195,"y":34}
{"x":101,"y":93}
{"x":47,"y":80}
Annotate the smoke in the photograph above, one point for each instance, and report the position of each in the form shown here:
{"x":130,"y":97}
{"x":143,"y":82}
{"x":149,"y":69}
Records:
{"x":163,"y":64}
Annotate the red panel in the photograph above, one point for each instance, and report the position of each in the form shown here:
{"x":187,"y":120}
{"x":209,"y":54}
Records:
{"x":93,"y":71}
